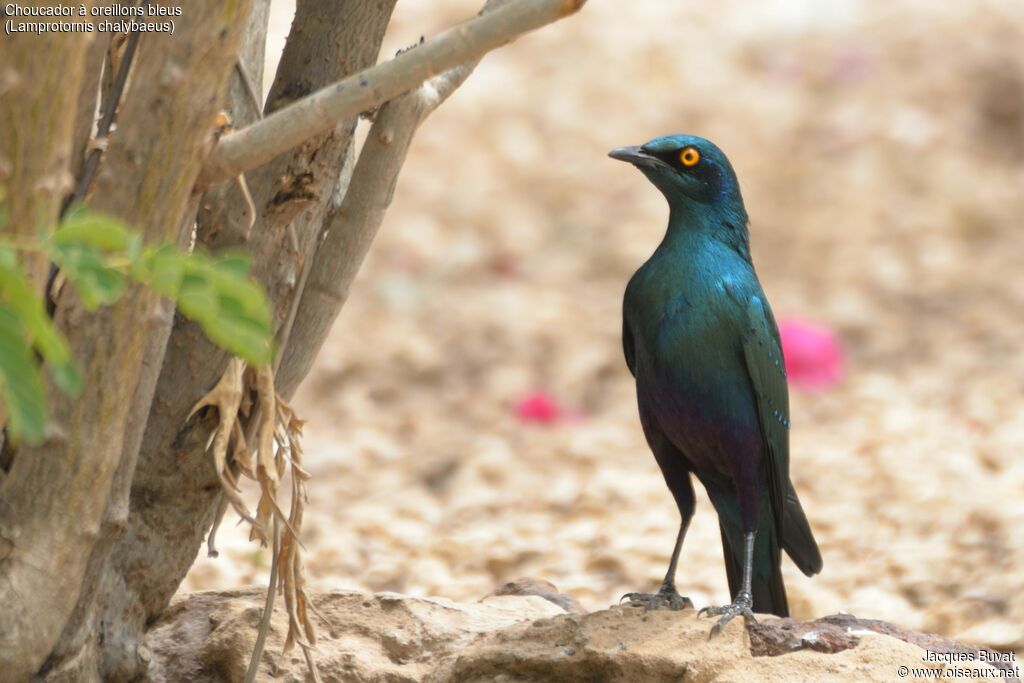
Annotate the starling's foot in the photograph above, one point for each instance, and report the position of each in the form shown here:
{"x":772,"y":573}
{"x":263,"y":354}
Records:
{"x":741,"y":605}
{"x":666,"y":598}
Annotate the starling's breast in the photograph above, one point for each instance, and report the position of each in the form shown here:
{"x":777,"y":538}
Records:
{"x":704,"y":408}
{"x":690,"y":371}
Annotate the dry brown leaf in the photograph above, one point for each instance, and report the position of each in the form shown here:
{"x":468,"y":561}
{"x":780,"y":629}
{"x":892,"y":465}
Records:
{"x":268,"y":411}
{"x":211,"y":538}
{"x":243,"y":459}
{"x":226,"y":396}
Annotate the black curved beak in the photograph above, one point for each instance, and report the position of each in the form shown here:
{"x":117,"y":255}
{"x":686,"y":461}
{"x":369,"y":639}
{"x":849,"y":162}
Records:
{"x":635,"y":156}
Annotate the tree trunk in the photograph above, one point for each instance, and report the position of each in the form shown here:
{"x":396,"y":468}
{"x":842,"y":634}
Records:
{"x":33,"y":173}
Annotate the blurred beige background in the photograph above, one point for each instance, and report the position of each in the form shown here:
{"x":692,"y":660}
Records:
{"x":880,"y":147}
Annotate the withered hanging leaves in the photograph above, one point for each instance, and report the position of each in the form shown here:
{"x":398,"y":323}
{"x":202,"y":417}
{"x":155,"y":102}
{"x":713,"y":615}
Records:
{"x":278,"y":435}
{"x":226,"y":397}
{"x":300,"y":627}
{"x":267,"y":401}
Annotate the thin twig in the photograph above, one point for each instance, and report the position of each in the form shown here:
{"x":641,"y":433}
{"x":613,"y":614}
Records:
{"x":311,"y":665}
{"x":249,"y":88}
{"x":287,"y":127}
{"x":268,"y":610}
{"x":300,"y":287}
{"x":250,"y":207}
{"x":257,"y":108}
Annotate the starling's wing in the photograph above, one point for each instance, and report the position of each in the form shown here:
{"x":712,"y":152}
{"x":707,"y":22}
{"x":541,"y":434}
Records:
{"x":763,"y":354}
{"x":766,"y":367}
{"x":627,"y":346}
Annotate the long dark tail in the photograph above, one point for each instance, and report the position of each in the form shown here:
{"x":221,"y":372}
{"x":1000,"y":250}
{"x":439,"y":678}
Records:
{"x":797,"y":538}
{"x":766,"y":583}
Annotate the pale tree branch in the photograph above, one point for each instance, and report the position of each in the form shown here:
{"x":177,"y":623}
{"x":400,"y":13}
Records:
{"x":351,"y":227}
{"x":261,"y":142}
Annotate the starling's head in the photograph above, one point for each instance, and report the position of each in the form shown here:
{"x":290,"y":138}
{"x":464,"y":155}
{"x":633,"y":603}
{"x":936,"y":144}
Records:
{"x":686,"y":168}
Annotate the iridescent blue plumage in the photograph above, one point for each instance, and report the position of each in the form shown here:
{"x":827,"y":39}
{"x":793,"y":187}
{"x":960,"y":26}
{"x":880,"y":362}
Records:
{"x":701,"y":341}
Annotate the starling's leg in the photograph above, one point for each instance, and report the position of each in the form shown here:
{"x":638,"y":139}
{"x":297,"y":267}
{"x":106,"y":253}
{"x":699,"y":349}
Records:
{"x":667,"y":596}
{"x":744,"y":600}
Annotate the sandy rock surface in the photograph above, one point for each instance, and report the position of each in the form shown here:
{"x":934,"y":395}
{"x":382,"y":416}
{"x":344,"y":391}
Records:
{"x":880,"y":148}
{"x":206,"y":637}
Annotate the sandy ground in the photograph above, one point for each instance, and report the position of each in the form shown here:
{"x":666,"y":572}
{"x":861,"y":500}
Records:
{"x":880,"y":147}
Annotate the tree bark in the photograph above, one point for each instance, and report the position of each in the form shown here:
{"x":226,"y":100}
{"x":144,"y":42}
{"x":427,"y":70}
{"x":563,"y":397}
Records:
{"x":37,"y":98}
{"x":39,"y":81}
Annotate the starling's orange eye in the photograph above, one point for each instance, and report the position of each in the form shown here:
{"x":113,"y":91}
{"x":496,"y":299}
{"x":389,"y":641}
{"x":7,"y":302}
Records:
{"x":689,"y":156}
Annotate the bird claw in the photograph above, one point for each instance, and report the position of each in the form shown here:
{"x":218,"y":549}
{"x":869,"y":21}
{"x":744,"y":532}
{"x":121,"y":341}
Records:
{"x":741,"y":605}
{"x":666,"y":598}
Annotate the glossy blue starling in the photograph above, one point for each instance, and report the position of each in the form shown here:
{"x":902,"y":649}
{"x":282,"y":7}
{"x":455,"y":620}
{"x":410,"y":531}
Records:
{"x":703,"y":346}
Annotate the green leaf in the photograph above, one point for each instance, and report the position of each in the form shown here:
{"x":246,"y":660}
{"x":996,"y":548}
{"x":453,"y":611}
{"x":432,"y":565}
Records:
{"x":249,"y":344}
{"x":106,"y":233}
{"x":244,"y":329}
{"x":21,"y":300}
{"x":162,"y":270}
{"x":234,"y":261}
{"x":217,"y":293}
{"x":240,"y":317}
{"x":86,"y":267}
{"x":66,"y":376}
{"x":20,"y":383}
{"x":86,"y":246}
{"x":198,"y":298}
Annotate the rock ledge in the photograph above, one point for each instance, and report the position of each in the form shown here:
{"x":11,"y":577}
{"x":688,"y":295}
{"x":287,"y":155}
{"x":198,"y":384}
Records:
{"x":206,"y":637}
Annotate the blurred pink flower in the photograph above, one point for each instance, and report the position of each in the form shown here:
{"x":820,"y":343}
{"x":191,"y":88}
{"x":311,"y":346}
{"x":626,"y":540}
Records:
{"x":854,"y":66}
{"x":540,"y":406}
{"x":814,"y":354}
